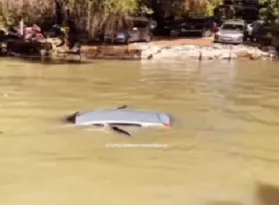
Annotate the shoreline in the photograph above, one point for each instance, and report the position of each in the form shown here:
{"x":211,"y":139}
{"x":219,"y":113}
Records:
{"x":182,"y":48}
{"x":160,"y":49}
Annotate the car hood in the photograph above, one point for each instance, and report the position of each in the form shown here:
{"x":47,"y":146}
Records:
{"x":228,"y":32}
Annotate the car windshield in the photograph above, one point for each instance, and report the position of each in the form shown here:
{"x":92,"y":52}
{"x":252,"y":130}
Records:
{"x":264,"y":29}
{"x":233,"y":27}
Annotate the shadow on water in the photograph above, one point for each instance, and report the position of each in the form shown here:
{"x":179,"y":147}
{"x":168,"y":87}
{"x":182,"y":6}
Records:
{"x":48,"y":61}
{"x":267,"y":194}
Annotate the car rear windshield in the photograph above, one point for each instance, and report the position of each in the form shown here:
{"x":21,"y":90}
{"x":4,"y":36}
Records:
{"x":233,"y":27}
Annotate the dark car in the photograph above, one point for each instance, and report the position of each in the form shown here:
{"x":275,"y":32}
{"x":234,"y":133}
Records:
{"x":165,"y":26}
{"x":140,"y":29}
{"x":262,"y":34}
{"x":251,"y":26}
{"x":202,"y":26}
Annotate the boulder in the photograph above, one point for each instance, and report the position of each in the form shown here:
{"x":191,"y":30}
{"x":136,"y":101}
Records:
{"x":217,"y":51}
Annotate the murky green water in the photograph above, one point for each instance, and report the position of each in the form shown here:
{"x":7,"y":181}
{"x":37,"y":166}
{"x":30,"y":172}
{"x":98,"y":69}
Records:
{"x":224,"y":149}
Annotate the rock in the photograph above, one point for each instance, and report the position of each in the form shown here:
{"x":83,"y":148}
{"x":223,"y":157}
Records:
{"x":149,"y":57}
{"x":243,"y":54}
{"x":218,"y":46}
{"x":272,"y":52}
{"x":264,"y":54}
{"x":217,"y":51}
{"x":228,"y":56}
{"x":255,"y":56}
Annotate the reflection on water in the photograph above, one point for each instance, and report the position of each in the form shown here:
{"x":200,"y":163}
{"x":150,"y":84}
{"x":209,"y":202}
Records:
{"x":225,"y":140}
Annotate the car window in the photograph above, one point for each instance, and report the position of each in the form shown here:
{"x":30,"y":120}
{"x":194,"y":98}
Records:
{"x":196,"y":21}
{"x":140,"y":24}
{"x":257,"y":23}
{"x":233,"y":27}
{"x":264,"y":30}
{"x":257,"y":27}
{"x":98,"y":125}
{"x":126,"y":124}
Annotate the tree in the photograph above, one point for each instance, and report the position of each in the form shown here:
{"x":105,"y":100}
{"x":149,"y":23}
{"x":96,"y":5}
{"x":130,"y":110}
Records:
{"x":33,"y":10}
{"x":270,"y":10}
{"x":181,"y":7}
{"x":90,"y":15}
{"x":98,"y":15}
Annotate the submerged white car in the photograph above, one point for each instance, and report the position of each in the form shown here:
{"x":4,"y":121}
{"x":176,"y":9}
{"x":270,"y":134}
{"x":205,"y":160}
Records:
{"x":121,"y":117}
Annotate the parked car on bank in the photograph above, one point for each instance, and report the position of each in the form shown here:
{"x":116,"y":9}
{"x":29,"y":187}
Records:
{"x":262,"y":33}
{"x":165,"y":28}
{"x":140,"y":29}
{"x":204,"y":26}
{"x":232,"y":31}
{"x":252,"y":26}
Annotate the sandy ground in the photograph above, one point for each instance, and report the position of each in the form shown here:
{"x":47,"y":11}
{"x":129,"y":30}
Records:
{"x":131,"y":49}
{"x":183,"y":41}
{"x":165,"y":41}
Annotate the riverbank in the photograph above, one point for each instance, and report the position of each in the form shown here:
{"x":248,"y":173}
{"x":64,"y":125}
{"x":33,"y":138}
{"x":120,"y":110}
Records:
{"x":159,"y":49}
{"x":198,"y":48}
{"x":135,"y":50}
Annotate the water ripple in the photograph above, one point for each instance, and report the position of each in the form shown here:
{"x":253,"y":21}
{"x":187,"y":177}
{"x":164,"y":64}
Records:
{"x":226,"y":117}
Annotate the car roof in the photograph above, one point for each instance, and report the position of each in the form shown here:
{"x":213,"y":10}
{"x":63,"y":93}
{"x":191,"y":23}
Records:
{"x":138,"y":18}
{"x":235,"y":21}
{"x":122,"y":116}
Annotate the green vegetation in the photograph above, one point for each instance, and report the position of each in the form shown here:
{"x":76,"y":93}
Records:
{"x":12,"y":11}
{"x":270,"y":10}
{"x":270,"y":13}
{"x":95,"y":16}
